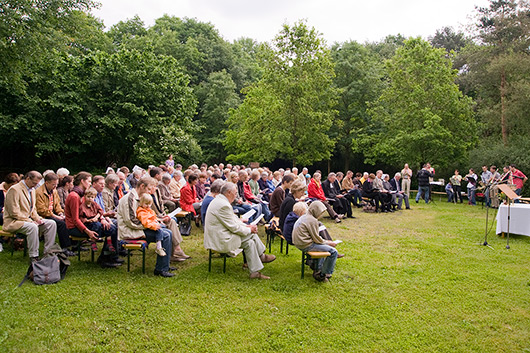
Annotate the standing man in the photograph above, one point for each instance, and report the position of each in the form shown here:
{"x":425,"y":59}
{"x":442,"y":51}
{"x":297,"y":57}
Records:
{"x":20,"y":215}
{"x":518,"y":179}
{"x":225,"y":233}
{"x":423,"y":183}
{"x":493,"y":189}
{"x":471,"y":179}
{"x":485,"y":178}
{"x":406,"y":174}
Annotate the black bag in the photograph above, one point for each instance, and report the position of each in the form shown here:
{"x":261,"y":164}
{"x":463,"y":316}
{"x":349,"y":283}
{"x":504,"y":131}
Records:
{"x":50,"y":269}
{"x":185,"y":225}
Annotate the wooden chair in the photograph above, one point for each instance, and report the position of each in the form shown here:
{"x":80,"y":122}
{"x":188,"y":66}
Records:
{"x":223,"y":256}
{"x":14,"y":237}
{"x":134,"y":244}
{"x":312,"y":255}
{"x":80,"y":241}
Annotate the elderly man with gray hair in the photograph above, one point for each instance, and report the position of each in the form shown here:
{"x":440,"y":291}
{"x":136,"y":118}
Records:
{"x":400,"y":193}
{"x":225,"y":233}
{"x":20,"y":215}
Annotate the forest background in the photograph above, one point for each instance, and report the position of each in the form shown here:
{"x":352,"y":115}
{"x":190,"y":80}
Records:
{"x":75,"y":95}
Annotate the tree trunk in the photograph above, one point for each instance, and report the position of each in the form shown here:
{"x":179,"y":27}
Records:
{"x":503,"y":108}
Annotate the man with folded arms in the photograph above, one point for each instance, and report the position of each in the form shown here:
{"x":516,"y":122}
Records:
{"x":20,"y":215}
{"x":225,"y":233}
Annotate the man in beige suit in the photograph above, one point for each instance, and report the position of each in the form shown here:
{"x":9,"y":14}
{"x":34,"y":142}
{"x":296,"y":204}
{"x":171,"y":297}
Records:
{"x":20,"y":215}
{"x":225,"y":233}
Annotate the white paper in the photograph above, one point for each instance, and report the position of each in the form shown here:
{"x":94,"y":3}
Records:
{"x":248,"y":214}
{"x":172,"y":214}
{"x":337,"y":241}
{"x":256,"y":220}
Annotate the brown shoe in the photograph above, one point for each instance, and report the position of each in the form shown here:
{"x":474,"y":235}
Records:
{"x":340,"y":255}
{"x":181,"y":254}
{"x":258,"y":275}
{"x":267,"y":258}
{"x":176,"y":259}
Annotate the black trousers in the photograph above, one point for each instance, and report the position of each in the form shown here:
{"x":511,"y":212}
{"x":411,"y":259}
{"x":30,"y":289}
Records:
{"x":62,"y":233}
{"x":342,"y":205}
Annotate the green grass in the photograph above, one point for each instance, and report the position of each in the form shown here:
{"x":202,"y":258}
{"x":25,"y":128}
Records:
{"x":412,"y":281}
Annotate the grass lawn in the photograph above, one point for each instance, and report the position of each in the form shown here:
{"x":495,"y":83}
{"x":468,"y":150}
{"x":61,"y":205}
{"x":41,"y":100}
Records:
{"x":411,"y":281}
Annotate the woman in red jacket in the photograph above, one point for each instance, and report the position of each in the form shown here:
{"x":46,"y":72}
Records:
{"x":314,"y":191}
{"x":188,"y":196}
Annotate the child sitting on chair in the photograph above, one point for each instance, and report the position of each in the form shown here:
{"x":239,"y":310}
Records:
{"x":299,"y":209}
{"x":149,"y":220}
{"x":91,"y":214}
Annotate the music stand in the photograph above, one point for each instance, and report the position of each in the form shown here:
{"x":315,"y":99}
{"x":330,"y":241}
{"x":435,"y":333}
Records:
{"x":511,"y":195}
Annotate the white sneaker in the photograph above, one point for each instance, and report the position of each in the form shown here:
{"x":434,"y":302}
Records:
{"x":160,"y":252}
{"x":1,"y":247}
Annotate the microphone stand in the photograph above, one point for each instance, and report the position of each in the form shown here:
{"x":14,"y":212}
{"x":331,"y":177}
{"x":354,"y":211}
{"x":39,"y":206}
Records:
{"x":487,"y":214}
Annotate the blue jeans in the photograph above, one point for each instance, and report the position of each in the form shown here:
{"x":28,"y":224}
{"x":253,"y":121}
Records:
{"x":162,"y":263}
{"x":244,"y":208}
{"x":423,"y":190}
{"x":112,"y":232}
{"x":325,"y":265}
{"x":518,"y":192}
{"x":471,"y":196}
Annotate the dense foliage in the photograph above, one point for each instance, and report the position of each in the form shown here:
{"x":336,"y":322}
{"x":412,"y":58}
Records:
{"x":73,"y":94}
{"x":288,"y":113}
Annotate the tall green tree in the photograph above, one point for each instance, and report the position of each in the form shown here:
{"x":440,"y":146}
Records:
{"x":421,"y":115}
{"x":289,"y":112}
{"x":359,"y":76}
{"x":218,"y":95}
{"x":498,"y":68}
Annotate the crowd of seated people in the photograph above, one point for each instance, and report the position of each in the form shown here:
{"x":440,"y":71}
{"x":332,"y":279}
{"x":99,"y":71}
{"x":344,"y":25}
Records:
{"x":103,"y":209}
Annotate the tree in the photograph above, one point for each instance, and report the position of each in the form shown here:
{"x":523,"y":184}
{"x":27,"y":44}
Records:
{"x":123,"y":31}
{"x":387,"y":47}
{"x":103,"y":108}
{"x":288,"y":113}
{"x":359,"y":74}
{"x":421,"y":115}
{"x":31,"y":29}
{"x":448,"y":39}
{"x":218,"y":95}
{"x":498,"y":69}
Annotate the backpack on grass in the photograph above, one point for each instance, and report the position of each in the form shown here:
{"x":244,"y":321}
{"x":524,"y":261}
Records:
{"x":50,"y":269}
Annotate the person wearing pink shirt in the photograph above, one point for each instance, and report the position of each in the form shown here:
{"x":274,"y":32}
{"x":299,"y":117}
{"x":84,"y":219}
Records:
{"x":518,"y":179}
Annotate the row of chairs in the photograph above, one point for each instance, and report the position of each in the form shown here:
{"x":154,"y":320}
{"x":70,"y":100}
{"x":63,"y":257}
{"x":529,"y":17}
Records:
{"x":272,"y":231}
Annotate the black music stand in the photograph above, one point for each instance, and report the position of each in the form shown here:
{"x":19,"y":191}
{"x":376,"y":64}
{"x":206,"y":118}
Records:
{"x":511,"y":195}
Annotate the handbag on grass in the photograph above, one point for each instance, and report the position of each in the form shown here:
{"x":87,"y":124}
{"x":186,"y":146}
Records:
{"x":50,"y":269}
